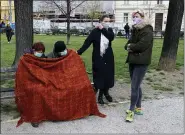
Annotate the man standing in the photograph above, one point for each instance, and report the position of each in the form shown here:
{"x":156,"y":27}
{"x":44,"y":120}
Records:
{"x":9,"y":33}
{"x":127,"y":30}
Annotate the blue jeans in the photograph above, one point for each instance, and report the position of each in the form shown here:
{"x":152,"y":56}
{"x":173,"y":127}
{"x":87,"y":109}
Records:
{"x":137,"y":73}
{"x":127,"y":35}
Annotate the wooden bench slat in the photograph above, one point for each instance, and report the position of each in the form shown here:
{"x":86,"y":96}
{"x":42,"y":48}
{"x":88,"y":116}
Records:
{"x":7,"y":89}
{"x":7,"y":78}
{"x":7,"y":97}
{"x":10,"y":69}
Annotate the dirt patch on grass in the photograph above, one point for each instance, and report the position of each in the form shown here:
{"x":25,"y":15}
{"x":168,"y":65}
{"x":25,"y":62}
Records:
{"x":9,"y":110}
{"x":156,"y":85}
{"x":165,"y":81}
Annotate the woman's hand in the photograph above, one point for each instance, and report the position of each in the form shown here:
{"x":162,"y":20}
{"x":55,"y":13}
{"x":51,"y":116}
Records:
{"x":128,"y":48}
{"x":77,"y":52}
{"x":99,"y":26}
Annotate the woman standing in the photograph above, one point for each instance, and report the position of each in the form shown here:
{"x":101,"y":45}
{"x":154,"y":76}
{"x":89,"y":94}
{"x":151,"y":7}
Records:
{"x":102,"y":57}
{"x":139,"y":49}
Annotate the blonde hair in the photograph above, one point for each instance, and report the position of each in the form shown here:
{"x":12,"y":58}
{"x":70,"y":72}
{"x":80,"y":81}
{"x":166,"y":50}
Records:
{"x":140,"y":12}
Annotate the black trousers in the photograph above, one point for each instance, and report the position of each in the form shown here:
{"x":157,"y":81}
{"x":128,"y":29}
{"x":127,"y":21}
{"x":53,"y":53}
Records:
{"x":9,"y":37}
{"x":137,"y":73}
{"x":103,"y":91}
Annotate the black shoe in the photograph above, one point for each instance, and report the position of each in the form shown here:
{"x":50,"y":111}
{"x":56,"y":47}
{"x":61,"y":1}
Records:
{"x":35,"y":125}
{"x":100,"y":97}
{"x":100,"y":101}
{"x":107,"y":96}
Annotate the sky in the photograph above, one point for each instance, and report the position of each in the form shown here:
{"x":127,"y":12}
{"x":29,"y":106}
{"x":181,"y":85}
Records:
{"x":107,"y":5}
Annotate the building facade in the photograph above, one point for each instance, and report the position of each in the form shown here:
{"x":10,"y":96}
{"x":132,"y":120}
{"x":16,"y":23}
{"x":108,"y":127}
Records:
{"x":156,"y":11}
{"x":7,"y":11}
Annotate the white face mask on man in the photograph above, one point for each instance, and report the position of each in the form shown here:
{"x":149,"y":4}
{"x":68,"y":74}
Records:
{"x":63,"y":53}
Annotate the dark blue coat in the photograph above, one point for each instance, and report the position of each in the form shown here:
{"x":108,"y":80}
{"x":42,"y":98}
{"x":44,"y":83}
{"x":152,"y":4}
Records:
{"x":102,"y":67}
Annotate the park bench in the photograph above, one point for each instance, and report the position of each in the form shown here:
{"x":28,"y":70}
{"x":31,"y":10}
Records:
{"x":7,"y":93}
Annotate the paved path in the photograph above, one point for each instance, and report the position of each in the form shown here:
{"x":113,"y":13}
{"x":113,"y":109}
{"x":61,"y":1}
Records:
{"x":161,"y":116}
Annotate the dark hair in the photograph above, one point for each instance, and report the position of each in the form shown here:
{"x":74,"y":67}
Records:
{"x":103,"y":17}
{"x":39,"y":46}
{"x":59,"y":46}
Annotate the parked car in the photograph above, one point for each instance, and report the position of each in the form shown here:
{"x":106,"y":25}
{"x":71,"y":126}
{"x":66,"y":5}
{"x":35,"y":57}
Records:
{"x":120,"y":33}
{"x":48,"y":32}
{"x":181,"y":34}
{"x":36,"y":31}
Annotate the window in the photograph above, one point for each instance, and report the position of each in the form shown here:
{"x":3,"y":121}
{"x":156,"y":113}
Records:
{"x":145,"y":2}
{"x":159,"y":1}
{"x":51,"y":11}
{"x":126,"y":1}
{"x":125,"y":17}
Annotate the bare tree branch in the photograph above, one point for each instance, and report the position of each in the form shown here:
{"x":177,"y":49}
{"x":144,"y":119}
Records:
{"x":60,"y":8}
{"x":70,"y":1}
{"x":78,"y":5}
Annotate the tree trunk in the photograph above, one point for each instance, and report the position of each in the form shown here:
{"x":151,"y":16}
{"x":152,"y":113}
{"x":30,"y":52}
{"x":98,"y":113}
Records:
{"x":68,"y":30}
{"x":158,"y":1}
{"x":167,"y":60}
{"x":68,"y":21}
{"x":23,"y":27}
{"x":92,"y":23}
{"x":0,"y":11}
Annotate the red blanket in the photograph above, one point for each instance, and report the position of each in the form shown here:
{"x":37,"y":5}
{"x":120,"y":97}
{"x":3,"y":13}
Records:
{"x":53,"y":89}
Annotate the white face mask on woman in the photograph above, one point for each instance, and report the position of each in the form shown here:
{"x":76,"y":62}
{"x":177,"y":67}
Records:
{"x":37,"y":54}
{"x":106,"y":24}
{"x":63,"y":53}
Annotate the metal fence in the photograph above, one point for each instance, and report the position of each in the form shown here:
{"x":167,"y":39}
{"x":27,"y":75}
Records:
{"x":85,"y":32}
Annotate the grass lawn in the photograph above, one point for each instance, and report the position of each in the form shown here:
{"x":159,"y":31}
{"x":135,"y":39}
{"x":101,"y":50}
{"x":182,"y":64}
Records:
{"x":8,"y":52}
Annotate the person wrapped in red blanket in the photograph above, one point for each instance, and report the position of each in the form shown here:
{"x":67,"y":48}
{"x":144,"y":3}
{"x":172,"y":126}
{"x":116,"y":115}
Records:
{"x":53,"y":89}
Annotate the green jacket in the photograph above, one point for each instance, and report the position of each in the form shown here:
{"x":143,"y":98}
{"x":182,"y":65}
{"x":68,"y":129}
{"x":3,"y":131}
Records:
{"x":141,"y":44}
